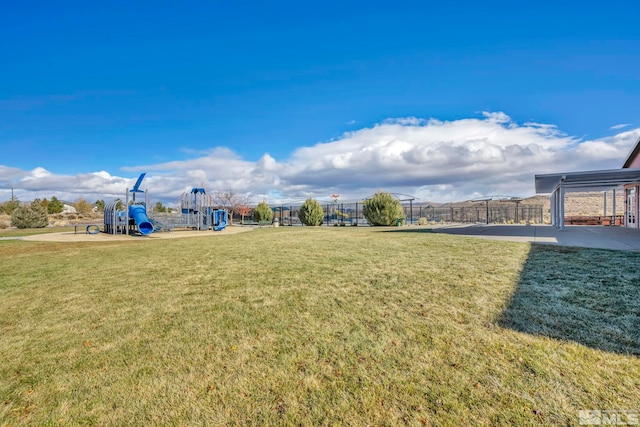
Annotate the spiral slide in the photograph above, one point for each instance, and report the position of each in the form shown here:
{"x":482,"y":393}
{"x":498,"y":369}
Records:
{"x":139,"y":215}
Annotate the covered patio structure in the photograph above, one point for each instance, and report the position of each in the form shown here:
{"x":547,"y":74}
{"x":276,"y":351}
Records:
{"x":557,"y":184}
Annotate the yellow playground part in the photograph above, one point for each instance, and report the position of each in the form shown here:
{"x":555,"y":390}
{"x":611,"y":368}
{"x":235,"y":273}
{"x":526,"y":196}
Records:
{"x":342,"y":214}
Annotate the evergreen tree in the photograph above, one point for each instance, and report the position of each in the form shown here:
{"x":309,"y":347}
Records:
{"x":36,"y":204}
{"x":159,"y":207}
{"x":9,"y":206}
{"x":382,"y":209}
{"x":55,"y":206}
{"x":311,"y":213}
{"x":263,"y":213}
{"x":29,"y":217}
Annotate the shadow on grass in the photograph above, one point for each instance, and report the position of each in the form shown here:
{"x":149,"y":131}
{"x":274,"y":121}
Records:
{"x":407,"y":230}
{"x":589,"y":296}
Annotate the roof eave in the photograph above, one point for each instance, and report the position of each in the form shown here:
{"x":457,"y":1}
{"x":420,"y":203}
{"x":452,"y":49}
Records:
{"x":632,"y":155}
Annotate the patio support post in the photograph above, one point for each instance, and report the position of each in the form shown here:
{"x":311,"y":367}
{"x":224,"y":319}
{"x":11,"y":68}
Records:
{"x":552,"y":202}
{"x":562,"y":204}
{"x":554,"y":208}
{"x":614,"y":207}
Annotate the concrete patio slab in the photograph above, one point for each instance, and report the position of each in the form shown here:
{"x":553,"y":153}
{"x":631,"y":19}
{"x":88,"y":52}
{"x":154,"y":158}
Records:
{"x":603,"y":237}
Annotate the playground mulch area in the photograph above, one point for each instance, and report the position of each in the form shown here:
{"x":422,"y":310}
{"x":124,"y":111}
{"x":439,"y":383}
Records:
{"x":101,"y":237}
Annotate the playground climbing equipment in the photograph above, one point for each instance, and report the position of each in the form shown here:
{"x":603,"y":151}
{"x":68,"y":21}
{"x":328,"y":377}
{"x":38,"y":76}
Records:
{"x":130,"y":217}
{"x":197,"y":212}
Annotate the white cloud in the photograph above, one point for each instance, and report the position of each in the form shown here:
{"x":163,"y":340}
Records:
{"x":620,"y":126}
{"x":611,"y":150}
{"x":432,"y":159}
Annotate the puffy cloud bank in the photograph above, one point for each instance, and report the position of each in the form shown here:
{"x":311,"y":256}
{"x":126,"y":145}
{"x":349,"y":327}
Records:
{"x":431,"y":159}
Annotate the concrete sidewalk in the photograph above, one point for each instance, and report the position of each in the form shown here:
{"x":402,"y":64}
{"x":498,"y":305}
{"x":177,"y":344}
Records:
{"x":603,"y":237}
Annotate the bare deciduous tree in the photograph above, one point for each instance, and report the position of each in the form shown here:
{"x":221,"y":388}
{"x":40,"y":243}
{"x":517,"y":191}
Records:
{"x":242,"y":207}
{"x":233,"y":202}
{"x":83,"y":207}
{"x":227,"y":200}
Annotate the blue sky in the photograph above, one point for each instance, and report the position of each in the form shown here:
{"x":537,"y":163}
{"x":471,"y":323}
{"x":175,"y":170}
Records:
{"x":285,"y":100}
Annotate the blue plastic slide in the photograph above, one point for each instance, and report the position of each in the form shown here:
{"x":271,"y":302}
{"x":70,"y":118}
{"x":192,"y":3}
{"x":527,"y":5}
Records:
{"x":139,"y":215}
{"x":220,"y":220}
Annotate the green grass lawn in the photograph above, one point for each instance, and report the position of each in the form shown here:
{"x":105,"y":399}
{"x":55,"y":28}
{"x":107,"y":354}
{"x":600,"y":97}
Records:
{"x":316,"y":326}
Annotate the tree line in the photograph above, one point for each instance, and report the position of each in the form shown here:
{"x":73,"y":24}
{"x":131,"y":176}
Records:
{"x":52,"y":206}
{"x":36,"y":214}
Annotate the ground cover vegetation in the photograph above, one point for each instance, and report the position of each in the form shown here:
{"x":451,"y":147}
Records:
{"x":315,"y":326}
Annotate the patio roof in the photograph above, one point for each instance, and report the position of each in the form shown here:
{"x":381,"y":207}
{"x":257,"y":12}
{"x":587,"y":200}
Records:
{"x":599,"y":180}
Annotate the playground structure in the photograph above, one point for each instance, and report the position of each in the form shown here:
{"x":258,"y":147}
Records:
{"x":133,"y":217}
{"x":197,"y":212}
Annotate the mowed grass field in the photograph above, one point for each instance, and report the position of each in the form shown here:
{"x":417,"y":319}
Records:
{"x":316,"y":326}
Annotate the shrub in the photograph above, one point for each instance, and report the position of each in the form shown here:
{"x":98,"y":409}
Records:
{"x":4,"y":224}
{"x":311,"y":213}
{"x":382,"y":209}
{"x":10,"y":206}
{"x":83,"y":207}
{"x":37,"y":204}
{"x":263,"y":213}
{"x":55,"y":206}
{"x":422,"y":221}
{"x":28,"y":217}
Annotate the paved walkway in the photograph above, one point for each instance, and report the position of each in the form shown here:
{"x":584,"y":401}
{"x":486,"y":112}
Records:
{"x":103,"y":237}
{"x":587,"y":236}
